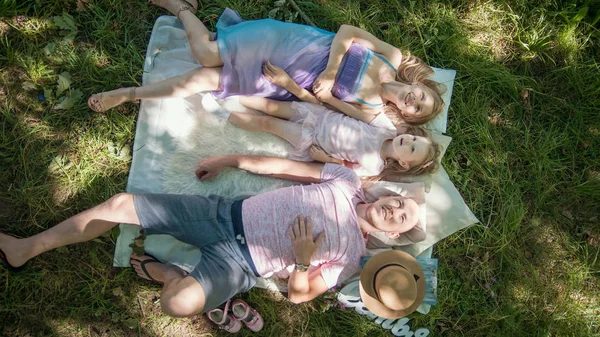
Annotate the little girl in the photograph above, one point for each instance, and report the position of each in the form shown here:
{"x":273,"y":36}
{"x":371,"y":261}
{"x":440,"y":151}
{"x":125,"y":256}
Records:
{"x":369,"y":144}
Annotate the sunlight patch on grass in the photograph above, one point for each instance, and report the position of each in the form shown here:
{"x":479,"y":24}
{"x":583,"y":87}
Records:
{"x":536,"y":39}
{"x":36,"y":68}
{"x":31,"y":27}
{"x":4,"y":28}
{"x":570,"y":42}
{"x":490,"y":28}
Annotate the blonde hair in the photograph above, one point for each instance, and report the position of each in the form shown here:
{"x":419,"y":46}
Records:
{"x":414,"y":70}
{"x":392,"y":171}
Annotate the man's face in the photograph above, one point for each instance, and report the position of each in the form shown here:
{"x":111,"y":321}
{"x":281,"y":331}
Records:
{"x":393,"y":214}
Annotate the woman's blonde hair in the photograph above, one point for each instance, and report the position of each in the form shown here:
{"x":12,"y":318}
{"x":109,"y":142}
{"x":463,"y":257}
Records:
{"x":414,"y":70}
{"x":392,"y":170}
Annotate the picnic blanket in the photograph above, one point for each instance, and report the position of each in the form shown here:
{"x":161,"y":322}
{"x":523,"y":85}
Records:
{"x":173,"y":135}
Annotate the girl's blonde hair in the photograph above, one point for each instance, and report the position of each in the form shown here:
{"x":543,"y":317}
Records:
{"x":414,"y":70}
{"x":392,"y":170}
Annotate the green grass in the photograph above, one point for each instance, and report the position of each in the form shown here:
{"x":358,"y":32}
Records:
{"x":525,"y":118}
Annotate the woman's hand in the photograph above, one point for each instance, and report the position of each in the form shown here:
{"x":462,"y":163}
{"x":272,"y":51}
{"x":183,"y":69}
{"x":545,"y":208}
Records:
{"x":324,"y":95}
{"x":302,"y":240}
{"x":324,"y":82}
{"x":277,"y":75}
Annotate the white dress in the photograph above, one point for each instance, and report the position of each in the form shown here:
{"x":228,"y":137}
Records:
{"x":341,"y":136}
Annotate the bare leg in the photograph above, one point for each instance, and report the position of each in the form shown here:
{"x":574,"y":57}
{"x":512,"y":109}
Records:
{"x":190,"y":83}
{"x":291,"y":132}
{"x":181,"y":296}
{"x":79,"y":228}
{"x":204,"y":50}
{"x":269,"y":106}
{"x":194,"y":81}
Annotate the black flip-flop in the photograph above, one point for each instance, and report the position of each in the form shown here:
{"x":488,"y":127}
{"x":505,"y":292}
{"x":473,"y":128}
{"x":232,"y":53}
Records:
{"x":143,"y":264}
{"x":7,"y":265}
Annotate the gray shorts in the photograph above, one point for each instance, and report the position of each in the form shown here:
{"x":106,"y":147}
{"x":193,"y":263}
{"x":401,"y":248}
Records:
{"x":204,"y":222}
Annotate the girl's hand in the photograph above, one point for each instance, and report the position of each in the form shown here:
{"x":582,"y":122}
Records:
{"x":317,"y":153}
{"x":324,"y":82}
{"x":276,"y":75}
{"x":303,"y":245}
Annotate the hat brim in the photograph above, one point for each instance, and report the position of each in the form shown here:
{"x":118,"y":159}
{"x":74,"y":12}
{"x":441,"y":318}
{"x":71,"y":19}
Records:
{"x":367,"y":292}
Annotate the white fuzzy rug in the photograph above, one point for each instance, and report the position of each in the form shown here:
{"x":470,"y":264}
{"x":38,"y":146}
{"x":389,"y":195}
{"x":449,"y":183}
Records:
{"x":212,"y":136}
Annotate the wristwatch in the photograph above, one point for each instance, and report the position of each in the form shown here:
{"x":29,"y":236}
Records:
{"x":301,"y":268}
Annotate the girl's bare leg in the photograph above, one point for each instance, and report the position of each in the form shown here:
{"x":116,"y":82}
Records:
{"x":82,"y":227}
{"x":269,"y":106}
{"x":204,"y":50}
{"x":291,"y":132}
{"x":194,"y":81}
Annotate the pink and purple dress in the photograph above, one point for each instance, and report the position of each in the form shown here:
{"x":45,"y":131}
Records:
{"x":302,"y":51}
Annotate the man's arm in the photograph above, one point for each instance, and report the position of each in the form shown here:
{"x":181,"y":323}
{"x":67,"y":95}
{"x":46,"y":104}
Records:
{"x":302,"y":286}
{"x":304,"y":172}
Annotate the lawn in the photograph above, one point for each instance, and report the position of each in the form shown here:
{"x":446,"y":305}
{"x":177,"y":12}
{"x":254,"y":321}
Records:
{"x":525,"y":122}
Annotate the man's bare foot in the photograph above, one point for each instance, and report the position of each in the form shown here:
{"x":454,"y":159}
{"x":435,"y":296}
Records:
{"x":148,"y":267}
{"x":9,"y":251}
{"x":110,"y":99}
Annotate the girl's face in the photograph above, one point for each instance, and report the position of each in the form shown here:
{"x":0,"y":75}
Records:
{"x":410,"y":150}
{"x":413,"y":99}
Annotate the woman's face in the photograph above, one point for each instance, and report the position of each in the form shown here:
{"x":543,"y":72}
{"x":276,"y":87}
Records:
{"x":412,"y":99}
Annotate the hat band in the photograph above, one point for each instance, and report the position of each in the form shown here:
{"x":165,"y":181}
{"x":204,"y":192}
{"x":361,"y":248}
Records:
{"x":382,"y":268}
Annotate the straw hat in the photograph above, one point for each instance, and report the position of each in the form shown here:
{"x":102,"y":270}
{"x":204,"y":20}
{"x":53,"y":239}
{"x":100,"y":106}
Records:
{"x":392,"y":284}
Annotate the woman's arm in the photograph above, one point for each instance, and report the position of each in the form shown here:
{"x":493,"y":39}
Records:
{"x":348,"y":34}
{"x":304,"y":172}
{"x":342,"y":41}
{"x":280,"y":77}
{"x":346,"y":108}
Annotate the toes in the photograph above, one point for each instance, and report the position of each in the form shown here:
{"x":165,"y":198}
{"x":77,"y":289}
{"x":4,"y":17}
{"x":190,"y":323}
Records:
{"x":94,"y":103}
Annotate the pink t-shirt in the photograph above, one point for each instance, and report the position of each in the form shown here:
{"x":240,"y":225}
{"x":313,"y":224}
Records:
{"x":331,"y":205}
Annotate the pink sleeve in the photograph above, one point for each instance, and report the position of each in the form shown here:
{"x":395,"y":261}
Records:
{"x":340,"y":174}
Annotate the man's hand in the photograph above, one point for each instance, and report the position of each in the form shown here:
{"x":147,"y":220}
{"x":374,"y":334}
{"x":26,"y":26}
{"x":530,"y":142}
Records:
{"x":324,"y":82}
{"x":302,"y":240}
{"x":210,"y":167}
{"x":277,"y":75}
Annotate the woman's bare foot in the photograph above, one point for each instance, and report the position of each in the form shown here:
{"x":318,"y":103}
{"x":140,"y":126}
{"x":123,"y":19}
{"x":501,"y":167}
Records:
{"x":110,"y":99}
{"x":176,"y":6}
{"x":10,"y":252}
